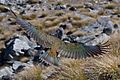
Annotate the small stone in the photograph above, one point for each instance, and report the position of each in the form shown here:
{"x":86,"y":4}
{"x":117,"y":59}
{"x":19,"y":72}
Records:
{"x":63,"y":26}
{"x":6,"y":77}
{"x":115,"y":26}
{"x":72,"y":9}
{"x":108,"y":31}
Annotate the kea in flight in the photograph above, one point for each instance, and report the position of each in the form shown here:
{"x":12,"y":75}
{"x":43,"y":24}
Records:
{"x":58,"y":48}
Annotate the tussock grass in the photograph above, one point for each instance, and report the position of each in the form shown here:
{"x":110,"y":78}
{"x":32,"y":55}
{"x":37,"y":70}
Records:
{"x":104,"y":68}
{"x":29,"y":17}
{"x":2,"y":17}
{"x":81,"y":23}
{"x":110,"y":6}
{"x":33,"y":73}
{"x":115,"y":43}
{"x":59,"y":12}
{"x":93,"y":15}
{"x":70,"y":70}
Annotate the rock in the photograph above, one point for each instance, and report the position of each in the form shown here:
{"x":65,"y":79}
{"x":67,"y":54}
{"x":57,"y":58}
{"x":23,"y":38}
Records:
{"x":101,"y":38}
{"x":57,"y":33}
{"x":6,"y":77}
{"x":116,"y":26}
{"x":118,"y":15}
{"x":107,"y":31}
{"x":6,"y":71}
{"x":105,"y":21}
{"x":15,"y":47}
{"x":19,"y":66}
{"x":23,"y":43}
{"x":16,"y":64}
{"x":72,"y":9}
{"x":99,"y":25}
{"x":63,"y":26}
{"x":60,"y":7}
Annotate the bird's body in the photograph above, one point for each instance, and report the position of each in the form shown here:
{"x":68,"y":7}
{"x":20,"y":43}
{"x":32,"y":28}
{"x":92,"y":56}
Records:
{"x":58,"y":47}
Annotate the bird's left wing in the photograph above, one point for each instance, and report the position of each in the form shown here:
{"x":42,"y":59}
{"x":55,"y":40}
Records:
{"x":80,"y":51}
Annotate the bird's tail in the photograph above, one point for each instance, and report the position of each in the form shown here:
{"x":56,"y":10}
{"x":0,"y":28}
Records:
{"x":45,"y":59}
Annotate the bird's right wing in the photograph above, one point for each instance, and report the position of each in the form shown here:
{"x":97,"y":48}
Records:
{"x":79,"y":51}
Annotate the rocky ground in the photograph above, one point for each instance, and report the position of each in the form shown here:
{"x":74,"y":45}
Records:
{"x":85,"y":21}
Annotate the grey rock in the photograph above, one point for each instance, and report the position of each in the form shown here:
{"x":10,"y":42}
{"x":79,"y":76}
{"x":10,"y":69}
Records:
{"x":102,"y":38}
{"x":98,"y":26}
{"x":93,"y":39}
{"x":16,"y":46}
{"x":6,"y":71}
{"x":16,"y":64}
{"x":22,"y":42}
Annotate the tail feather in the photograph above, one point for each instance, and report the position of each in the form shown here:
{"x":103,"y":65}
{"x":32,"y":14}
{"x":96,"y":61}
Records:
{"x":46,"y":59}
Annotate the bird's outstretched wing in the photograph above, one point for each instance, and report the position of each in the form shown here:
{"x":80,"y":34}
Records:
{"x":80,"y":51}
{"x":38,"y":35}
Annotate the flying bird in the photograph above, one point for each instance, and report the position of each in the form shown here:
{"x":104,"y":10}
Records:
{"x":57,"y":47}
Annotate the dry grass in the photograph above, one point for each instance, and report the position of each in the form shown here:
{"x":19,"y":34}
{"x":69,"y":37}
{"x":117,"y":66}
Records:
{"x":2,"y":17}
{"x":81,"y":23}
{"x":59,"y":12}
{"x":33,"y":73}
{"x":29,"y":17}
{"x":38,"y":24}
{"x":115,"y":42}
{"x":110,"y":6}
{"x":93,"y":15}
{"x":69,"y":70}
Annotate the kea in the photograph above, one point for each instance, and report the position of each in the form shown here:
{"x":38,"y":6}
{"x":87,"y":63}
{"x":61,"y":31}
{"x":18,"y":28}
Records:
{"x":58,"y":48}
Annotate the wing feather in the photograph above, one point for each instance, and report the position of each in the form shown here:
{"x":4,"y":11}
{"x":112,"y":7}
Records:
{"x":78,"y":51}
{"x":38,"y":35}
